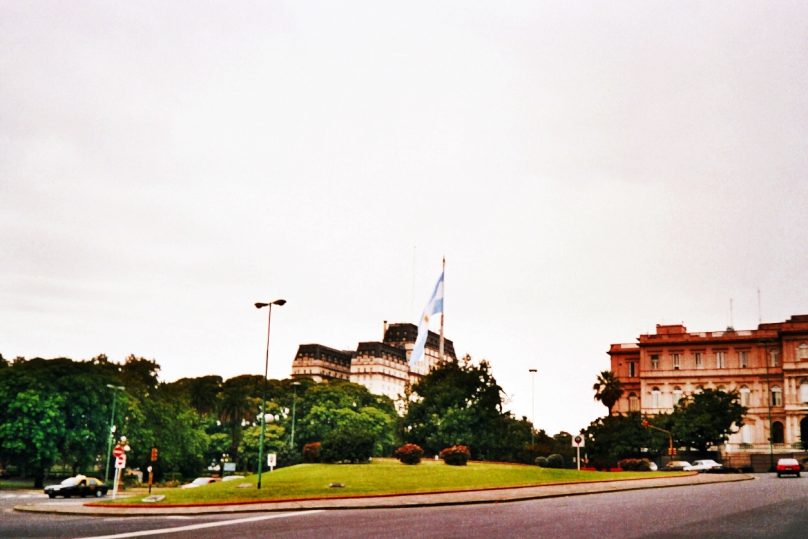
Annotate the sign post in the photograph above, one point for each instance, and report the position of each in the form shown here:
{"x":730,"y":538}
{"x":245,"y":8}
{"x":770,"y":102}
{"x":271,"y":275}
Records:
{"x":120,"y":463}
{"x":577,"y":443}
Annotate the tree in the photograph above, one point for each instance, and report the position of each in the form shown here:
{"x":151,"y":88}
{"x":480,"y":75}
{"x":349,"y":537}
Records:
{"x":607,"y":389}
{"x":459,"y":403}
{"x":706,"y":419}
{"x":612,"y":438}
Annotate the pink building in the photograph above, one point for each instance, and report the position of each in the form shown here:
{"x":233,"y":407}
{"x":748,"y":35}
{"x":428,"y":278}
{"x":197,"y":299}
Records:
{"x":768,"y":366}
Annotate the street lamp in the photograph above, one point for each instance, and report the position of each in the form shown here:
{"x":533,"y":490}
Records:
{"x":294,"y":403}
{"x":532,"y":404}
{"x":260,"y":305}
{"x":111,"y":427}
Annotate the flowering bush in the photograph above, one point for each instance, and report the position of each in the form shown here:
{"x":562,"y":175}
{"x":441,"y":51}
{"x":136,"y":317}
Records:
{"x":409,"y":453}
{"x":457,"y":455}
{"x":311,"y":452}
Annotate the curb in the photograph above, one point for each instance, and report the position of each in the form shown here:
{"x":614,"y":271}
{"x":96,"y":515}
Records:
{"x":469,"y":497}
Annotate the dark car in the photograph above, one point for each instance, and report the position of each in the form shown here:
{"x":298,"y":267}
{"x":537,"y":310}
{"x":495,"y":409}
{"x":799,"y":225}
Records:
{"x":77,"y":486}
{"x":788,"y":467}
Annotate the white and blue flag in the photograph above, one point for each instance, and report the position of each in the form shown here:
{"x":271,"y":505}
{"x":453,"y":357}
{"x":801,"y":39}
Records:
{"x":434,"y":306}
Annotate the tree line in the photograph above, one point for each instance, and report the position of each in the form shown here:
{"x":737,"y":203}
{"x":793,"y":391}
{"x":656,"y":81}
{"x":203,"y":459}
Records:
{"x":58,"y":412}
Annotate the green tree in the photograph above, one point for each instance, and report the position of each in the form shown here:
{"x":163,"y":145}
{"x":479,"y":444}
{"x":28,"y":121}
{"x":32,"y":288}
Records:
{"x":615,"y":437}
{"x":607,"y":389}
{"x":459,"y":403}
{"x":31,"y":429}
{"x":706,"y":419}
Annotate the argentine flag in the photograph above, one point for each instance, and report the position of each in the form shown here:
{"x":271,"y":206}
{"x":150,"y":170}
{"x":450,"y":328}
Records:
{"x":434,"y":306}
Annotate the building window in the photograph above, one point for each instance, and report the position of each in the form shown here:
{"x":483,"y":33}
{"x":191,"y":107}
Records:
{"x":632,"y":369}
{"x":633,"y":403}
{"x":802,"y":352}
{"x":745,"y":393}
{"x":677,"y":395}
{"x":746,"y":434}
{"x":654,"y":361}
{"x":743,"y":358}
{"x":655,"y":397}
{"x":720,"y":362}
{"x":774,"y":358}
{"x":777,"y":396}
{"x":697,"y":356}
{"x":676,"y":362}
{"x":804,"y":391}
{"x":777,"y":433}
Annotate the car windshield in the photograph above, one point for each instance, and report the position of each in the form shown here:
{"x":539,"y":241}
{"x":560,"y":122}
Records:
{"x":790,"y":462}
{"x":70,"y":482}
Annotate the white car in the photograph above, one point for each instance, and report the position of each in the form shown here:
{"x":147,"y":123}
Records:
{"x":704,"y":465}
{"x":199,"y":481}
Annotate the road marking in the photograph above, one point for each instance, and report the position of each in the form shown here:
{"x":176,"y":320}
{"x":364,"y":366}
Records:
{"x":202,"y":526}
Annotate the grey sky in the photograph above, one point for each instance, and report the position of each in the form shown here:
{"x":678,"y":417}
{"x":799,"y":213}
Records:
{"x":589,"y":169}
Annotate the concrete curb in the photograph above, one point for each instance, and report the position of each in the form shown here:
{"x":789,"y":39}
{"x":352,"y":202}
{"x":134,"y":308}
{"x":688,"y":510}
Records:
{"x":390,"y":502}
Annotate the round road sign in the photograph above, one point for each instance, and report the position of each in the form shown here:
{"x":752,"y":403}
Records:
{"x":118,"y":452}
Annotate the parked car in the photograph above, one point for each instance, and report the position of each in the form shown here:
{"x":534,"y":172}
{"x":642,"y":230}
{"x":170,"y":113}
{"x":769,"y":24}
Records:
{"x":677,"y":466}
{"x":77,"y":486}
{"x":199,"y":481}
{"x":705,"y":465}
{"x":788,"y":467}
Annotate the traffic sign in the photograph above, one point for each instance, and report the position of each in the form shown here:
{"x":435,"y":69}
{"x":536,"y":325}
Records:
{"x":578,"y":441}
{"x":120,"y":463}
{"x":118,"y":452}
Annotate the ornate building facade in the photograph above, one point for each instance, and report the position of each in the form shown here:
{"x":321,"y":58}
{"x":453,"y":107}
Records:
{"x":767,"y":366}
{"x":382,"y":367}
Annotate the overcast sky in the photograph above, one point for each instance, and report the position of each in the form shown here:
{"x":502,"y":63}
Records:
{"x":589,"y":169}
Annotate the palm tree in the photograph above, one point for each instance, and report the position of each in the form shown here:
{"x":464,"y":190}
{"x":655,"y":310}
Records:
{"x":607,"y":389}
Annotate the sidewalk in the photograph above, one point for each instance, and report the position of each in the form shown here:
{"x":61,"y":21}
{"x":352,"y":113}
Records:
{"x":379,"y":502}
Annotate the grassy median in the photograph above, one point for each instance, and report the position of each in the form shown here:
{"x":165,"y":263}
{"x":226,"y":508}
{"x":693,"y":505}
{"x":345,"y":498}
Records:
{"x":383,"y":476}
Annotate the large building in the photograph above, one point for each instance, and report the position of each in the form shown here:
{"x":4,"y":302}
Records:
{"x":383,"y":367}
{"x":768,"y":366}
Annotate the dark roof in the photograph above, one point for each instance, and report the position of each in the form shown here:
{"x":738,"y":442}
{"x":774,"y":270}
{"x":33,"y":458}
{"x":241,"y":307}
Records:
{"x":378,"y":349}
{"x":400,"y":334}
{"x":325,"y":353}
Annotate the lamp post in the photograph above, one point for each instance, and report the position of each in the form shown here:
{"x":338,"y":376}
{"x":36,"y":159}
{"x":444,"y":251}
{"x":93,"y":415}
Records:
{"x":294,"y":405}
{"x":260,"y":305}
{"x":532,"y":404}
{"x":111,"y":427}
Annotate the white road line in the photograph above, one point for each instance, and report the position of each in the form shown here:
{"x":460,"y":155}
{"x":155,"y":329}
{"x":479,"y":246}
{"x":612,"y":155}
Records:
{"x":203,"y":526}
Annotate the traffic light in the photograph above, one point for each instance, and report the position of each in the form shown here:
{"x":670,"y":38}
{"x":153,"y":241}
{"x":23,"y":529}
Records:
{"x":153,"y":454}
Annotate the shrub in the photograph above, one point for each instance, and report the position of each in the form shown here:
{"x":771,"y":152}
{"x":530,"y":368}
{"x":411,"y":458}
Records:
{"x":555,"y":461}
{"x":348,"y":445}
{"x":457,"y":455}
{"x":635,"y":465}
{"x":541,"y":462}
{"x":409,"y":453}
{"x":311,"y":452}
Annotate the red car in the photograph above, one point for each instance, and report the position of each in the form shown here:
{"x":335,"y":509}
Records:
{"x":788,"y":467}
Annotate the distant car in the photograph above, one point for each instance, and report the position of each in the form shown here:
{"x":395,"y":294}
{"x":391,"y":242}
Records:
{"x":232,"y":477}
{"x":78,"y":486}
{"x":788,"y":467}
{"x":677,"y":466}
{"x":705,"y":465}
{"x":199,"y":481}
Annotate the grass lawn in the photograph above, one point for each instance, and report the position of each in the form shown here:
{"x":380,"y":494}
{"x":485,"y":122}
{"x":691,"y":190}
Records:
{"x":383,"y":476}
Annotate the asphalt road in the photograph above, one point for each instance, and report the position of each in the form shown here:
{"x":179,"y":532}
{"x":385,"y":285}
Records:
{"x":766,"y":507}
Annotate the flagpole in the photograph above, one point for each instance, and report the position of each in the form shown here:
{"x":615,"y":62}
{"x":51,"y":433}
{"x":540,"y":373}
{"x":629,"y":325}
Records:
{"x":443,"y":310}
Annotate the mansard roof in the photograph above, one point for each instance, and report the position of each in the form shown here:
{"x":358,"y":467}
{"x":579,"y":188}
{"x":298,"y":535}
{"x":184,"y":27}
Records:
{"x":325,"y":353}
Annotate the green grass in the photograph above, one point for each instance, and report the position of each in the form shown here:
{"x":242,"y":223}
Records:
{"x":383,"y":476}
{"x":16,"y":484}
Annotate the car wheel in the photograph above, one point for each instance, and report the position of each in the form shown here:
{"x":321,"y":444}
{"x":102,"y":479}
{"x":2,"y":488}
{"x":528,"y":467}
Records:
{"x":98,"y":493}
{"x":67,"y":495}
{"x":779,"y":475}
{"x":51,"y":495}
{"x":798,"y":474}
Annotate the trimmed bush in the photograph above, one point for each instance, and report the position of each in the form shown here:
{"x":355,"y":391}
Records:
{"x":457,"y":455}
{"x":635,"y":465}
{"x":555,"y":461}
{"x":349,"y":445}
{"x":541,"y":462}
{"x":311,"y":452}
{"x":409,"y":453}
